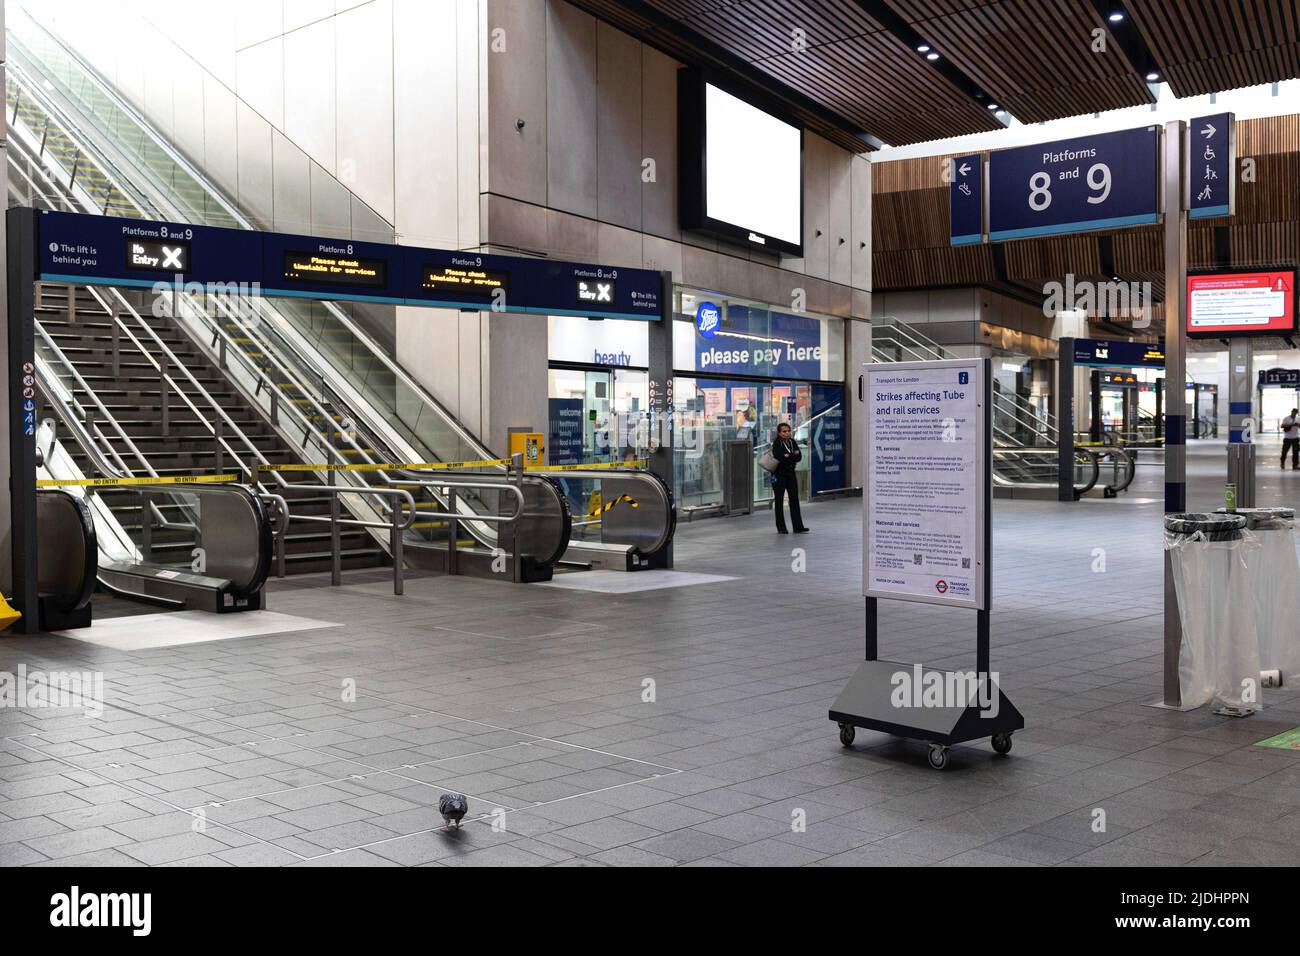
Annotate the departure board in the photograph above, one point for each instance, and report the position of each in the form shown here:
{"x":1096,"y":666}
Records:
{"x":335,"y":269}
{"x":464,"y":281}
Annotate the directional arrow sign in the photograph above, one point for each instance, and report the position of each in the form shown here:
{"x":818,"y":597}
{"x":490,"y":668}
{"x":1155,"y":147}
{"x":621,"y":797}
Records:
{"x":1211,"y":166}
{"x":966,"y":200}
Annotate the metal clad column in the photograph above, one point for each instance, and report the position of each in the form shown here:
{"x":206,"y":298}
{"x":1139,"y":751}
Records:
{"x":20,"y":423}
{"x":1175,"y":372}
{"x":1065,"y":421}
{"x":1241,"y":418}
{"x":661,"y":374}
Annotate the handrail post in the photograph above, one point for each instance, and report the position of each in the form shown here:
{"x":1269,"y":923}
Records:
{"x":117,"y":344}
{"x":517,"y":466}
{"x":72,"y":303}
{"x":221,"y":449}
{"x":281,"y":538}
{"x":397,"y":549}
{"x":336,"y":557}
{"x":146,"y":527}
{"x":453,"y":532}
{"x":165,"y":398}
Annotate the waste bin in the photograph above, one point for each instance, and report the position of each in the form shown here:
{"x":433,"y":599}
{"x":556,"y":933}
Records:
{"x":1275,"y":573}
{"x":1211,"y":558}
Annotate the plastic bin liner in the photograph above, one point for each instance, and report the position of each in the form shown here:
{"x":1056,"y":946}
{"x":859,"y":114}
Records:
{"x":1277,"y":589}
{"x":1211,"y":557}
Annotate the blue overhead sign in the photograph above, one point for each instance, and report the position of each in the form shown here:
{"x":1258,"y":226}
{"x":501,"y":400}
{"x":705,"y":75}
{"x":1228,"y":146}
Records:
{"x":966,"y":200}
{"x":1106,"y":353}
{"x":106,"y":250}
{"x":1211,"y":185}
{"x":1102,"y":181}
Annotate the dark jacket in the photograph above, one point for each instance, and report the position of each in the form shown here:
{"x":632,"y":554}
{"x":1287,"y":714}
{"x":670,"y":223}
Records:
{"x":788,"y":455}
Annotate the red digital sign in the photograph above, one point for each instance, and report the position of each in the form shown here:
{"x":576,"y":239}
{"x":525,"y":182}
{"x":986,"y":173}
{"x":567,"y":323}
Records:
{"x":1241,"y":303}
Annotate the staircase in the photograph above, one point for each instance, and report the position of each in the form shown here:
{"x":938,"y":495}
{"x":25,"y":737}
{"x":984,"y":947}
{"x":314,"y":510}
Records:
{"x":132,"y":396}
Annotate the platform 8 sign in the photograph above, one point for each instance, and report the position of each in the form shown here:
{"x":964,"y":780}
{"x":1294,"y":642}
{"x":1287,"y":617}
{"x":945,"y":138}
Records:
{"x":1101,"y":181}
{"x":926,"y":500}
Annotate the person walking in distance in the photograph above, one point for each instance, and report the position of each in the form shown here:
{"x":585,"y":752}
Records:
{"x":786,"y":451}
{"x":1291,"y":438}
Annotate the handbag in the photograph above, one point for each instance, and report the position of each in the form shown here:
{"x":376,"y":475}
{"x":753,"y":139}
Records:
{"x":767,"y":461}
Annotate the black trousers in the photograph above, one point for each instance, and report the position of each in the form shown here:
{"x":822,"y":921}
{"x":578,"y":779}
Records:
{"x":1292,"y":445}
{"x":787,"y":484}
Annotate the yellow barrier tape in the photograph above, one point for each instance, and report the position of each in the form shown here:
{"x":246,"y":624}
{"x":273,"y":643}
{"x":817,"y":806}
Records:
{"x":391,"y":466}
{"x":101,"y":482}
{"x":641,"y":463}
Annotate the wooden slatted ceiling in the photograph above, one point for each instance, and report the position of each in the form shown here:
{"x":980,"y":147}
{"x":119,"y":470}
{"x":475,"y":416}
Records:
{"x":1208,"y":46}
{"x":850,"y":66}
{"x":1033,"y":57}
{"x":848,"y":62}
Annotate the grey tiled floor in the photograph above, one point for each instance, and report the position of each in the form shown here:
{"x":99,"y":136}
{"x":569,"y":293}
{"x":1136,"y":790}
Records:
{"x":530,"y":700}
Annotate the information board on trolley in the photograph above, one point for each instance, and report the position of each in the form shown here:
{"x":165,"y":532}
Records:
{"x":926,"y":498}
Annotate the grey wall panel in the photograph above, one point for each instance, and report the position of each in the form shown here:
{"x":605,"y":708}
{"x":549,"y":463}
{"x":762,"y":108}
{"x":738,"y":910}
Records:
{"x":471,"y":377}
{"x":619,"y":127}
{"x":571,"y":140}
{"x":291,"y":187}
{"x":662,"y":254}
{"x":860,"y":185}
{"x":364,"y":45}
{"x":471,"y":82}
{"x":331,"y":206}
{"x":190,"y":126}
{"x":367,"y":224}
{"x":816,"y":212}
{"x":616,"y":246}
{"x":569,"y":236}
{"x":426,"y":169}
{"x":256,"y":168}
{"x":839,"y":235}
{"x":309,"y":92}
{"x":260,"y":84}
{"x":299,"y":13}
{"x":659,"y":142}
{"x":220,"y":160}
{"x":517,"y":224}
{"x":518,"y":385}
{"x":517,"y":91}
{"x":255,"y":22}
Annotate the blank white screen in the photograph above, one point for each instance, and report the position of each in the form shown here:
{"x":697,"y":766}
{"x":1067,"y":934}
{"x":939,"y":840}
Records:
{"x":752,"y":177}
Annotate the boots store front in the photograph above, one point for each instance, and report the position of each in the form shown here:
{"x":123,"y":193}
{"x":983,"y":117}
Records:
{"x":741,"y":368}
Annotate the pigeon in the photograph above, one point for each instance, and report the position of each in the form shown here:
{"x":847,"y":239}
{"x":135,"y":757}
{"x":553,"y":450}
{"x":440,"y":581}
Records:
{"x":452,"y":806}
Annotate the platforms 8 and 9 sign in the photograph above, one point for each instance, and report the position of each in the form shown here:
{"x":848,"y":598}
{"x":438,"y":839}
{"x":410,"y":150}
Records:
{"x":1103,"y":181}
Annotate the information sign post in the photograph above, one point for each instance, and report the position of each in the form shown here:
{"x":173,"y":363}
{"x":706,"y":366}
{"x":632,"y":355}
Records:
{"x":927,"y":539}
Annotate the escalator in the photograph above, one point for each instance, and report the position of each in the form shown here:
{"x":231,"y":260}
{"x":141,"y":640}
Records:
{"x":67,"y":559}
{"x":309,"y":381}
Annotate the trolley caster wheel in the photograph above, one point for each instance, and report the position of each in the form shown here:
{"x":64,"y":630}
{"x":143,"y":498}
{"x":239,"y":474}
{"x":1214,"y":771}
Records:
{"x":938,"y":756}
{"x":1002,"y":743}
{"x":847,"y":733}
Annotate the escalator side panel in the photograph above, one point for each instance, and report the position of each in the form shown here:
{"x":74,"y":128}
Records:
{"x":67,"y":558}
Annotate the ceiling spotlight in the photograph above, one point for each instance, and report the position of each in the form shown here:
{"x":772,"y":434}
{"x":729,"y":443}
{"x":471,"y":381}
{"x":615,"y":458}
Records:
{"x":992,"y":106}
{"x":1000,"y":113}
{"x":1116,"y":17}
{"x":932,"y":56}
{"x":1152,"y":76}
{"x":923,"y":48}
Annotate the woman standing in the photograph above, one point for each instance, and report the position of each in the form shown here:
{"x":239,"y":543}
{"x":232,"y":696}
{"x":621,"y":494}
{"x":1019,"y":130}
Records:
{"x":787,"y":454}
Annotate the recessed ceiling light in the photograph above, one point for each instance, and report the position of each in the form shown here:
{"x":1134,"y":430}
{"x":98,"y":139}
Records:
{"x":992,"y":106}
{"x":1152,"y":76}
{"x":923,"y":48}
{"x":932,"y":56}
{"x":1116,"y":17}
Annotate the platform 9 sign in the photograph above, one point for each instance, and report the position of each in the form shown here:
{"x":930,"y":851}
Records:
{"x":1102,"y":181}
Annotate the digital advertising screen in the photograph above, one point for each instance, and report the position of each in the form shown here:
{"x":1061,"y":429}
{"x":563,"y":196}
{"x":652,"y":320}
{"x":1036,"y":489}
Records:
{"x":1241,"y":303}
{"x":740,"y":166}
